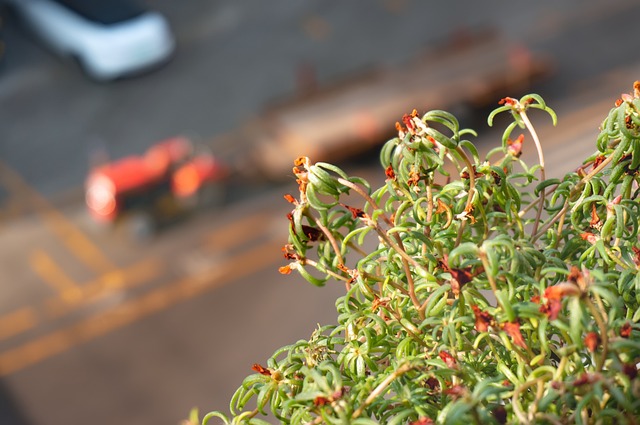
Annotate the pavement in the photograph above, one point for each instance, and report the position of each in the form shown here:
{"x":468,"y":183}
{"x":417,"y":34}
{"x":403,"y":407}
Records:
{"x":136,"y":348}
{"x":234,"y":59}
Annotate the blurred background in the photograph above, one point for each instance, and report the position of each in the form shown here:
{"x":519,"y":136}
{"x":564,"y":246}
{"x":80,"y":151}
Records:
{"x":135,"y":289}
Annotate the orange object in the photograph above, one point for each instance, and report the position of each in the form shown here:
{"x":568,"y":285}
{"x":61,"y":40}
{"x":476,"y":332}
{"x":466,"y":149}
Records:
{"x":171,"y":151}
{"x":194,"y":174}
{"x":167,"y":168}
{"x":108,"y":181}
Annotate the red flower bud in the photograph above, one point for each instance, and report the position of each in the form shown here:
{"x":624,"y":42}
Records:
{"x":625,"y":330}
{"x":261,"y":369}
{"x":448,"y":359}
{"x":591,"y":341}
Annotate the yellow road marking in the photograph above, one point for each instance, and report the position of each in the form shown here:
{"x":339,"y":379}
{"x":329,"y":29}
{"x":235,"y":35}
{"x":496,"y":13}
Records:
{"x":71,"y":296}
{"x":16,"y":322}
{"x":53,"y":275}
{"x":114,"y":280}
{"x":238,"y":231}
{"x":56,"y":342}
{"x":73,"y":238}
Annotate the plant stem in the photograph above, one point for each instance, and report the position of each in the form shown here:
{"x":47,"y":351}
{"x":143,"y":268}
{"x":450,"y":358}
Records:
{"x":472,"y":186}
{"x":517,"y":408}
{"x":543,"y":177}
{"x":365,"y":195}
{"x":326,"y":270}
{"x":485,"y":264}
{"x":398,"y":246}
{"x":381,"y":387}
{"x":398,"y":318}
{"x":572,"y":193}
{"x":603,"y":333}
{"x":329,"y":236}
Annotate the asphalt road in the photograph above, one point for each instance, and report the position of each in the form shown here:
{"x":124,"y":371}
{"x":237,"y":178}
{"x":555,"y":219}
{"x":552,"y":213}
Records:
{"x":95,"y":329}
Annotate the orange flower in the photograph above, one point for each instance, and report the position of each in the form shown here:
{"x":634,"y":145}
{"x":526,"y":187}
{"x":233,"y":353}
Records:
{"x":483,"y":319}
{"x":408,"y":121}
{"x":625,"y":330}
{"x":591,"y":341}
{"x":459,"y":278}
{"x":261,"y":369}
{"x":554,"y":295}
{"x":290,"y":199}
{"x":595,"y":220}
{"x":589,"y":237}
{"x":355,"y":212}
{"x":507,"y":101}
{"x":320,"y":401}
{"x":513,"y":330}
{"x":561,"y":290}
{"x":379,"y":302}
{"x":285,"y":269}
{"x":391,"y":175}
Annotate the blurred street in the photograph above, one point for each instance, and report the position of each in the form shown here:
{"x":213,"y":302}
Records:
{"x":98,"y":329}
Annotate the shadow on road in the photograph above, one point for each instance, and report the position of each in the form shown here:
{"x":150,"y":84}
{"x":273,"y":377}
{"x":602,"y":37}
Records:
{"x":10,"y":411}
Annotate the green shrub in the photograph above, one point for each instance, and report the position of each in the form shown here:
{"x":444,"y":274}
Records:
{"x":476,"y":290}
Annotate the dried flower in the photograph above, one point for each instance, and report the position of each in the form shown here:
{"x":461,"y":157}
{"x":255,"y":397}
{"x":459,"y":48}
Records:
{"x":508,"y":101}
{"x":554,"y":295}
{"x":483,"y":319}
{"x":591,"y":341}
{"x":261,"y":369}
{"x":355,"y":212}
{"x":391,"y":175}
{"x":625,"y":330}
{"x":513,"y":330}
{"x":456,"y":392}
{"x":514,"y":147}
{"x":448,"y":359}
{"x":630,"y":369}
{"x":285,"y":269}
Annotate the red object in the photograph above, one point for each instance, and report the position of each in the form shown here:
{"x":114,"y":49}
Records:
{"x":194,"y":174}
{"x":171,"y":151}
{"x":108,"y":181}
{"x":170,"y":162}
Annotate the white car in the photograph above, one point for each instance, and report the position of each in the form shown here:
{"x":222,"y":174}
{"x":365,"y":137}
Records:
{"x":108,"y":38}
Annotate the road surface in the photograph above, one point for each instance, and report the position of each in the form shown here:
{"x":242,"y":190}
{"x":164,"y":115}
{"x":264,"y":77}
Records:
{"x":94,"y":329}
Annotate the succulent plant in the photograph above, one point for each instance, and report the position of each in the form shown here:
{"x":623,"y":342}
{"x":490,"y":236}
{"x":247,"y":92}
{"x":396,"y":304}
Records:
{"x":476,"y":289}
